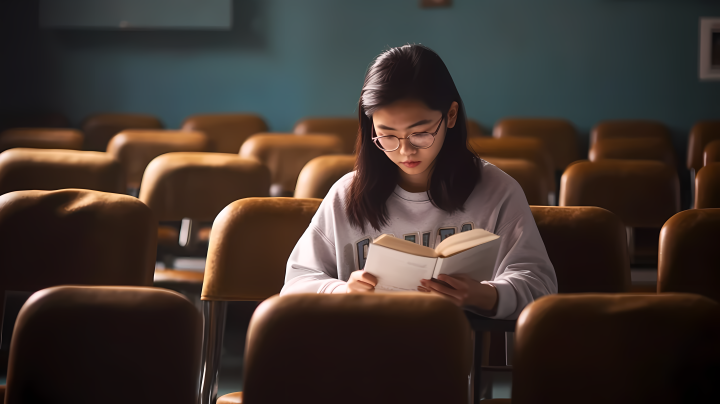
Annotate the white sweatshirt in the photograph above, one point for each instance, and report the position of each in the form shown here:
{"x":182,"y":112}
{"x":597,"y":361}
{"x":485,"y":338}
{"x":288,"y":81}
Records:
{"x":331,"y":249}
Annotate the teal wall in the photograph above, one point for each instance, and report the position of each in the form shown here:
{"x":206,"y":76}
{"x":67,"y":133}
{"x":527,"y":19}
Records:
{"x":585,"y":60}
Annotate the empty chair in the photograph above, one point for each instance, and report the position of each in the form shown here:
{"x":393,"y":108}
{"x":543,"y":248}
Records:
{"x":320,"y":173}
{"x":280,"y":369}
{"x":636,"y":129}
{"x":250,"y":244}
{"x":643,"y":194}
{"x":286,"y":154}
{"x":619,"y":348}
{"x":528,"y":175}
{"x":558,"y":135}
{"x":77,"y":344}
{"x":100,"y":128}
{"x":707,"y":187}
{"x":135,"y":149}
{"x":344,"y":128}
{"x":225,"y":132}
{"x":41,"y":138}
{"x":656,"y":149}
{"x":688,"y":253}
{"x":23,"y":169}
{"x":194,"y":188}
{"x":701,"y":135}
{"x":711,"y":154}
{"x":519,"y":148}
{"x":474,"y":129}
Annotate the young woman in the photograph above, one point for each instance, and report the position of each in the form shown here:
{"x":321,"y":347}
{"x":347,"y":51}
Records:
{"x":416,"y":179}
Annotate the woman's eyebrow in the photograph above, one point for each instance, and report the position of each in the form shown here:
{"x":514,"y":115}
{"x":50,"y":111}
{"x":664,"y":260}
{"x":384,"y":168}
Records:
{"x":418,"y":123}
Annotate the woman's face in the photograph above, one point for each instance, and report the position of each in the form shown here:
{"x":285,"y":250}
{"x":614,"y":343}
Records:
{"x":402,"y":119}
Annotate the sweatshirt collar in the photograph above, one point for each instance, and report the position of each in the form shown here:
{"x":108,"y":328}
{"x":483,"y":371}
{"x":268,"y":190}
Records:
{"x":411,"y":196}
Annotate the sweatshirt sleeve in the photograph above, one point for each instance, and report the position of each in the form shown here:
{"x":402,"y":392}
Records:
{"x":312,"y":267}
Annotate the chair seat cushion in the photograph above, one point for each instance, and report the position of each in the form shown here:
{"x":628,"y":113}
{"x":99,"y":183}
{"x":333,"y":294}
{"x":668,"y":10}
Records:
{"x":232,"y":398}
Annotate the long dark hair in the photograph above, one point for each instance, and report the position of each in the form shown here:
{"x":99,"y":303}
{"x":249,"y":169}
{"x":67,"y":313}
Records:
{"x":409,"y":72}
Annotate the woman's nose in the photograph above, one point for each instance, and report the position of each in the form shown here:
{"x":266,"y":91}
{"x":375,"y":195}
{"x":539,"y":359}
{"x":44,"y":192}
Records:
{"x":406,"y":148}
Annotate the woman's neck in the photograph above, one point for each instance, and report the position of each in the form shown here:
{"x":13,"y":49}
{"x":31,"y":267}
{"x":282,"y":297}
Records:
{"x":414,"y":183}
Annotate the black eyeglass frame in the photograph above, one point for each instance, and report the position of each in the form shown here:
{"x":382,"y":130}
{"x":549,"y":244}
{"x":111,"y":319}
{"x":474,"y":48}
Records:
{"x":376,"y":139}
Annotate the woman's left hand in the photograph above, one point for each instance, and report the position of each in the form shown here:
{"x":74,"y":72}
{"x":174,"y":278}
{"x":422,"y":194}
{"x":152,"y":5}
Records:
{"x":463,"y":291}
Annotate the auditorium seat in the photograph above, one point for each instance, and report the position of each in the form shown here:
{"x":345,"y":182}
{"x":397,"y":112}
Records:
{"x":643,"y":194}
{"x":422,"y":342}
{"x":194,"y":188}
{"x":320,"y":173}
{"x":474,"y":129}
{"x":707,"y":187}
{"x":633,"y":149}
{"x":557,"y":135}
{"x":528,"y":175}
{"x":628,"y":128}
{"x":225,"y":132}
{"x":100,"y":128}
{"x":40,"y":169}
{"x":41,"y":138}
{"x":701,"y":135}
{"x":617,"y":348}
{"x":136,"y":148}
{"x":286,"y":154}
{"x":519,"y":148}
{"x":344,"y":128}
{"x":711,"y":154}
{"x":250,"y":244}
{"x":89,"y":344}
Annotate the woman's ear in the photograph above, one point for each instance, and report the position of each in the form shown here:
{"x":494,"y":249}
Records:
{"x":452,"y":115}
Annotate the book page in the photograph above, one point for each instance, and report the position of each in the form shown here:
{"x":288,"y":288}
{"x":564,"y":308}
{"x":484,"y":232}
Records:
{"x":477,"y":262}
{"x":463,"y":241}
{"x":397,"y":271}
{"x":409,"y":247}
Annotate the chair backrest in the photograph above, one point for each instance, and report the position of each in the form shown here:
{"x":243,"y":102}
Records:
{"x":199,"y":185}
{"x":642,"y":193}
{"x":617,"y":129}
{"x":250,"y":243}
{"x":558,"y":136}
{"x":100,"y":128}
{"x":474,"y":129}
{"x":344,"y":128}
{"x":136,"y":148}
{"x":619,"y":348}
{"x":226,"y":132}
{"x":656,"y":149}
{"x":125,"y":344}
{"x":75,"y":236}
{"x":41,"y":138}
{"x":286,"y":155}
{"x":711,"y":154}
{"x":517,"y":148}
{"x":587,"y":247}
{"x":528,"y":175}
{"x":707,"y":187}
{"x":701,"y":134}
{"x":280,"y":368}
{"x":320,"y":173}
{"x":24,"y":169}
{"x":689,"y":260}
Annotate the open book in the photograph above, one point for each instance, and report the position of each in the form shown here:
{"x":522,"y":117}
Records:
{"x":399,"y":264}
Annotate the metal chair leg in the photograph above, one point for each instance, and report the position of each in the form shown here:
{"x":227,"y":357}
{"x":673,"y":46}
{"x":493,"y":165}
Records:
{"x":214,"y":313}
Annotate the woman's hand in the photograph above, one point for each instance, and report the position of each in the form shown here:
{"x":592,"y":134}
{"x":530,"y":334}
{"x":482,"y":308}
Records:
{"x":361,"y":281}
{"x":463,"y":291}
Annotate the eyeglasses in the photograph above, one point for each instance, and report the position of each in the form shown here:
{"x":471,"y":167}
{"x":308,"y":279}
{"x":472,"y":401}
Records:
{"x":420,"y":140}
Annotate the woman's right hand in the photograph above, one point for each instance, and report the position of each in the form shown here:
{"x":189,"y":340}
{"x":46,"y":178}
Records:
{"x":361,"y":281}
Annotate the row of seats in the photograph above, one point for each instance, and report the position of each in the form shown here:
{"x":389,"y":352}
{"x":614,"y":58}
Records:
{"x":94,"y":238}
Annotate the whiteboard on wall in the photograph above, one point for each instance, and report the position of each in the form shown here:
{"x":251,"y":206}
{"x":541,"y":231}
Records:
{"x":136,"y":14}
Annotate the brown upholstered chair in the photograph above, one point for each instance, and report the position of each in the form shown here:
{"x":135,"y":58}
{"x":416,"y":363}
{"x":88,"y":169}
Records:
{"x":707,"y":187}
{"x":136,"y":148}
{"x":286,"y":155}
{"x":558,"y":135}
{"x":320,"y":173}
{"x":633,"y":149}
{"x":76,"y":344}
{"x":250,"y":244}
{"x":617,"y":348}
{"x":701,"y":135}
{"x":279,"y":368}
{"x":41,"y":138}
{"x":226,"y":132}
{"x":635,"y":129}
{"x":688,"y":253}
{"x":644,"y":194}
{"x":711,"y":154}
{"x":23,"y":169}
{"x":100,"y":128}
{"x":194,"y":188}
{"x":528,"y":175}
{"x":344,"y":128}
{"x":518,"y":148}
{"x":474,"y":129}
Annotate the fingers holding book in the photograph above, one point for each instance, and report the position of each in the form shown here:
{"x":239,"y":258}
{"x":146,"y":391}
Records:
{"x":361,"y":281}
{"x":463,"y":291}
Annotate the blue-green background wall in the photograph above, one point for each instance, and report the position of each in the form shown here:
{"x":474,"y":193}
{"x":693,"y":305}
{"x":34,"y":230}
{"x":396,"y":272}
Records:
{"x":585,"y":60}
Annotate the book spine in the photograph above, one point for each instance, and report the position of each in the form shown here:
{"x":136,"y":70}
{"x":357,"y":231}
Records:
{"x":438,"y":267}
